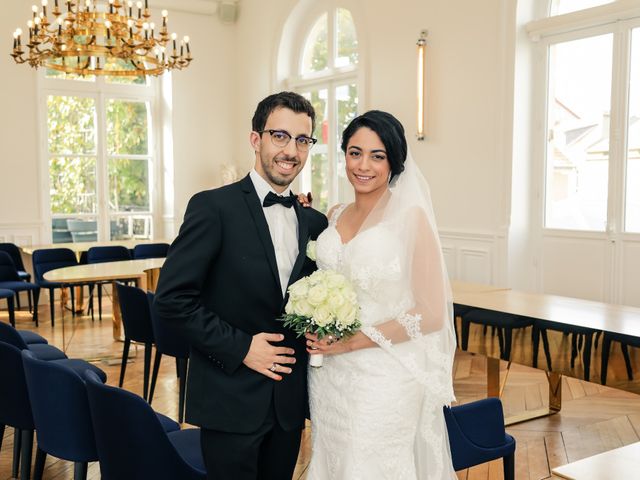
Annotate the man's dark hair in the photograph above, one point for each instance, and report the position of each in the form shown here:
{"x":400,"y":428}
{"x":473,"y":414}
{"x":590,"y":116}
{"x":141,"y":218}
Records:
{"x":290,"y":100}
{"x":390,"y":131}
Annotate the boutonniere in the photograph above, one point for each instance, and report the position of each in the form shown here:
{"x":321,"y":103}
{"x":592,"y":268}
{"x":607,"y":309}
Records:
{"x":311,"y":250}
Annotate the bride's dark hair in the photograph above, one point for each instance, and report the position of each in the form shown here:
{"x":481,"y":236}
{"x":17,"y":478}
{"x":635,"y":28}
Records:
{"x":390,"y":131}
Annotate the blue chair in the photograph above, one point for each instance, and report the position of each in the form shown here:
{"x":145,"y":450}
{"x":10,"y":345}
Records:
{"x":150,"y":250}
{"x":625,"y":342}
{"x":15,"y":408}
{"x":136,"y":319}
{"x":540,"y":328}
{"x":169,"y":342}
{"x":149,"y":452}
{"x":49,"y":259}
{"x":14,"y":252}
{"x":61,"y":414}
{"x":10,"y":335}
{"x":10,"y":280}
{"x":9,"y":295}
{"x":105,"y":255}
{"x":477,"y":435}
{"x":28,"y":336}
{"x":504,"y":322}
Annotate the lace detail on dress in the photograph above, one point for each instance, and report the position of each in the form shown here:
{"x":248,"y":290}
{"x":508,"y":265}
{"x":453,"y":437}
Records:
{"x":377,"y":337}
{"x":411,"y":324}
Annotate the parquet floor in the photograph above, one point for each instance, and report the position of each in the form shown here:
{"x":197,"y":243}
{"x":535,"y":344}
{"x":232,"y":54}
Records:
{"x":593,"y":418}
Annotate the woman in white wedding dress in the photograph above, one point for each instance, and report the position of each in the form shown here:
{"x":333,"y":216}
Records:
{"x":376,"y":403}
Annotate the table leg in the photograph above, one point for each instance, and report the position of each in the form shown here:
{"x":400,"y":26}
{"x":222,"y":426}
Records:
{"x":116,"y":315}
{"x":495,"y":388}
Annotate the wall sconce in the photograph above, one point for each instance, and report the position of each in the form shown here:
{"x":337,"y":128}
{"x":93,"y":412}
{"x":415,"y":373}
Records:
{"x":421,"y":84}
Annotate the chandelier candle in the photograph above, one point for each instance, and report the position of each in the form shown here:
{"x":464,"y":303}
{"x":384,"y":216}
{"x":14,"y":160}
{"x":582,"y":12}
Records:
{"x":99,"y":38}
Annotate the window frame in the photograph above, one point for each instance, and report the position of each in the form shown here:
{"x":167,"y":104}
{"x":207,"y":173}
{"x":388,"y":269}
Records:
{"x":102,"y":91}
{"x":330,"y":78}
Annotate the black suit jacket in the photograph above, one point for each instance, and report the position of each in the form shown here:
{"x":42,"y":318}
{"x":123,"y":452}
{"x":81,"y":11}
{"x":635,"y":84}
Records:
{"x":219,"y":286}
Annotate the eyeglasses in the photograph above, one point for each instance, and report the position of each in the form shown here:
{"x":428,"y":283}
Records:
{"x":281,"y":138}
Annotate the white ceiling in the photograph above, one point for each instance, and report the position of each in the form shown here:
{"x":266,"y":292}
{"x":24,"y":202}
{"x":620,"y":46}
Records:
{"x":205,"y":7}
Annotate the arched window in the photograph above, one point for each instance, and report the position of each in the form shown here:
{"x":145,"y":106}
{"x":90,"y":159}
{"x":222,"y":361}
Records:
{"x":560,"y":7}
{"x":326,"y":72}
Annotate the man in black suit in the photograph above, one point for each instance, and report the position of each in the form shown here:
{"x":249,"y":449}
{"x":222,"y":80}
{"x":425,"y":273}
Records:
{"x":223,"y":285}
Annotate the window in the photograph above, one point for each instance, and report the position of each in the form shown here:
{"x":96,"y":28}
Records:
{"x":593,"y":126}
{"x":100,"y":156}
{"x":327,"y":76}
{"x":560,"y":7}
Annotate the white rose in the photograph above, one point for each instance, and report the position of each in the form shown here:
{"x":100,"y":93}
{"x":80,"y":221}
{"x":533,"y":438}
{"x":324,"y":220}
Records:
{"x":317,"y":294}
{"x":322,"y":316}
{"x":335,"y":300}
{"x":347,"y":314}
{"x":299,"y":289}
{"x":335,"y":280}
{"x":302,"y":307}
{"x":311,"y":250}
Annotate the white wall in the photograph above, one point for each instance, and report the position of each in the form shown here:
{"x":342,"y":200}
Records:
{"x":467,"y":154}
{"x":201,"y":117}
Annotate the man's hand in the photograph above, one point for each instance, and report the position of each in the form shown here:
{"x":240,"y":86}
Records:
{"x":267,"y":359}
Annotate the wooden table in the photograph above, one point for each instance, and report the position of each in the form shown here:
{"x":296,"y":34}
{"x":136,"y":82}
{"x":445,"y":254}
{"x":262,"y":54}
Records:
{"x":81,"y":247}
{"x":618,"y":463}
{"x":104,"y":272}
{"x":566,"y":310}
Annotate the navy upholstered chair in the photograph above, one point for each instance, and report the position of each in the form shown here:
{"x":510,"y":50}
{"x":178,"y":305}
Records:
{"x":10,"y":335}
{"x":149,"y":451}
{"x":625,"y":342}
{"x":114,"y":253}
{"x":15,"y":407}
{"x":10,"y":280}
{"x":150,"y":250}
{"x":477,"y":435}
{"x":9,"y":295}
{"x":48,"y":259}
{"x":14,"y":252}
{"x":61,"y":413}
{"x":27,"y":335}
{"x":504,"y":322}
{"x":169,"y":342}
{"x":540,"y":328}
{"x":136,"y":319}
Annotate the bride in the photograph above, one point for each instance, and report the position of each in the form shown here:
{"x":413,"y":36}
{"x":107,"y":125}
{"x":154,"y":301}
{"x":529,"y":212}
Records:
{"x":376,"y":403}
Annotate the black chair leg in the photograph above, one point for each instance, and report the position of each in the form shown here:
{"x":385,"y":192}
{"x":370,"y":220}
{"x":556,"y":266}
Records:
{"x":598,"y":334}
{"x":508,"y":333}
{"x":36,"y":297}
{"x":99,"y":287}
{"x":501,"y":342}
{"x":464,"y":336}
{"x":125,"y":356}
{"x":80,"y":471}
{"x":38,"y":469}
{"x":27,"y":451}
{"x":2,"y":427}
{"x":52,"y":306}
{"x":627,"y":360}
{"x":574,"y":349}
{"x":182,"y":366}
{"x":147,"y":368}
{"x":509,"y":467}
{"x":29,"y":300}
{"x":606,"y":347}
{"x":12,"y":312}
{"x":72,"y":291}
{"x":545,"y":346}
{"x":18,"y":300}
{"x":535,"y":340}
{"x":586,"y":355}
{"x":17,"y":442}
{"x":154,"y":375}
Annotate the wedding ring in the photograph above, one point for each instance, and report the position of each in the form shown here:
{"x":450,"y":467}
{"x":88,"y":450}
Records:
{"x":331,"y":340}
{"x":273,"y":367}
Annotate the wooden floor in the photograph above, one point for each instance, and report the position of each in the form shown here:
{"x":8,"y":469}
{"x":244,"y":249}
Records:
{"x":593,"y":419}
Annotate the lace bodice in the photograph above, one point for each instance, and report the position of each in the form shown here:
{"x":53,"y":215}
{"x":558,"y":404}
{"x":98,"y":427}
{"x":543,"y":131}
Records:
{"x":371,"y":262}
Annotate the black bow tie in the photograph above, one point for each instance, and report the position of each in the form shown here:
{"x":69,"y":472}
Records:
{"x":272,"y":199}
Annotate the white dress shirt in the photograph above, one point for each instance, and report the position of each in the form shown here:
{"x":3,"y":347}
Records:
{"x":283,"y":227}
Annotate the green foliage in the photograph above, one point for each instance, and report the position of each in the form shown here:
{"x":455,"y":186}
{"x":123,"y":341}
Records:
{"x":72,"y":132}
{"x":303,"y":325}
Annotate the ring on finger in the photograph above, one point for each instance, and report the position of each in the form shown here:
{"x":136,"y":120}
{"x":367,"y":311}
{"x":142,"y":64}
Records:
{"x":331,"y":340}
{"x":273,"y":367}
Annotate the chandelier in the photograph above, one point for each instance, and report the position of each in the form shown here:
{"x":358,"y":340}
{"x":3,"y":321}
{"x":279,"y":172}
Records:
{"x":97,"y":38}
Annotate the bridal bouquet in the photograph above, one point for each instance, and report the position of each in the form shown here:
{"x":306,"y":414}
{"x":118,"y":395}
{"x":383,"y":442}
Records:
{"x":323,"y":303}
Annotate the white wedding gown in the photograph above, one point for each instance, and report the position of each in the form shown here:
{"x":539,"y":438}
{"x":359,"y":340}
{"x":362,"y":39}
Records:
{"x":370,"y":418}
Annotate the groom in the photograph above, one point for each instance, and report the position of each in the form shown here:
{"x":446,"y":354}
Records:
{"x":223,"y":286}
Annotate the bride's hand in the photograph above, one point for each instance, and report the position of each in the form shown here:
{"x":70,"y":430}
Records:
{"x":329,"y":345}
